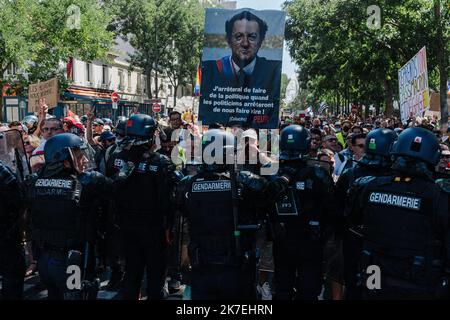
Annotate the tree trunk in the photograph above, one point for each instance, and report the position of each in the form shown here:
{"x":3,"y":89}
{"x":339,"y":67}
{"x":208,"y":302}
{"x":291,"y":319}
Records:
{"x":2,"y":72}
{"x":441,"y":64}
{"x":366,"y":111}
{"x":148,"y":73}
{"x":389,"y":97}
{"x":175,"y":95}
{"x":347,"y":103}
{"x":377,"y":108}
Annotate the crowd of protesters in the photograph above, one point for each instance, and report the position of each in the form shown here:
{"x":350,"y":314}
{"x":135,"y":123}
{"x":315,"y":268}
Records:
{"x":337,"y":144}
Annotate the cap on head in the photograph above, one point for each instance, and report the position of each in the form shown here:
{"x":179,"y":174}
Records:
{"x":250,"y":133}
{"x":99,"y":122}
{"x":107,"y":136}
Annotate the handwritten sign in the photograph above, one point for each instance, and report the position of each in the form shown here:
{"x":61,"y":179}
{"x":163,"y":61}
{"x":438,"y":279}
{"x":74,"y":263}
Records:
{"x":413,"y":86}
{"x":47,"y":89}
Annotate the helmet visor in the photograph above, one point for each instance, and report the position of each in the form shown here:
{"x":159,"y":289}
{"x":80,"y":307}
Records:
{"x":82,"y":158}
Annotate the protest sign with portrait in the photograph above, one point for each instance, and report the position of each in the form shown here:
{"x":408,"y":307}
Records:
{"x":241,"y":68}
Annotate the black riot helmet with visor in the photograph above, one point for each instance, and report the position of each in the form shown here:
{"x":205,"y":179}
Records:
{"x":295,"y":142}
{"x":140,"y":129}
{"x":418,"y":143}
{"x":380,"y":142}
{"x":71,"y":148}
{"x":121,"y":127}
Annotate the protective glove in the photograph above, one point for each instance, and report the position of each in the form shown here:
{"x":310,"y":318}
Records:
{"x":126,"y":170}
{"x":91,"y":178}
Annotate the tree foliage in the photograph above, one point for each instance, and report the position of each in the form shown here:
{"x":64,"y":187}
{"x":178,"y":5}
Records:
{"x":167,"y":36}
{"x":342,"y":59}
{"x":37,"y":35}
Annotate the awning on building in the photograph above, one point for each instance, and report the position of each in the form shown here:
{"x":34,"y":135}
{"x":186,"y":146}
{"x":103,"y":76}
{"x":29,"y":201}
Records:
{"x":87,"y":94}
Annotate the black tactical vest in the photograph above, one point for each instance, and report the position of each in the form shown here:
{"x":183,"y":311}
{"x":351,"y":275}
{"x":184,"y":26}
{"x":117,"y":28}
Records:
{"x":140,"y":195}
{"x":302,"y":205}
{"x":209,"y":205}
{"x":399,"y":228}
{"x":57,"y":220}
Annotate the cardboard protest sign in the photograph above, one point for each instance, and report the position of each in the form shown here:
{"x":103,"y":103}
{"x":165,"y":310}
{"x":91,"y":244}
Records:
{"x":48,"y":90}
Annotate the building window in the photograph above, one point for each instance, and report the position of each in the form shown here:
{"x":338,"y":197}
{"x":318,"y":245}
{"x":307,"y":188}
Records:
{"x":129,"y":81}
{"x":139,"y":83}
{"x":11,"y":70}
{"x":121,"y":80}
{"x":105,"y":75}
{"x":144,"y":84}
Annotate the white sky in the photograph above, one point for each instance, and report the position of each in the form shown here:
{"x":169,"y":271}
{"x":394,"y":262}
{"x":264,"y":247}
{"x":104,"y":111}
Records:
{"x":288,"y":66}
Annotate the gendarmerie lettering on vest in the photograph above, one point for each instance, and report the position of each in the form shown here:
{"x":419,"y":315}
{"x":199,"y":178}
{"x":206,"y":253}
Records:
{"x":52,"y":192}
{"x":211,"y":186}
{"x":395,"y":200}
{"x":55,"y":183}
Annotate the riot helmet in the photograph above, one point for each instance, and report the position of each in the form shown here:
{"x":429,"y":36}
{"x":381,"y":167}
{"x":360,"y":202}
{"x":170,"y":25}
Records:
{"x":418,"y":143}
{"x":218,"y":148}
{"x":380,"y":141}
{"x":31,"y":123}
{"x":121,"y":127}
{"x":141,"y":126}
{"x":295,"y":142}
{"x":68,"y":146}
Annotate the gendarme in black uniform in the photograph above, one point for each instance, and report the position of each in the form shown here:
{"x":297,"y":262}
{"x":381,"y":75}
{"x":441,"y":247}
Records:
{"x":221,"y":248}
{"x":405,"y":222}
{"x":376,"y":162}
{"x":12,"y":262}
{"x":299,"y":212}
{"x":144,"y":181}
{"x":62,"y":198}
